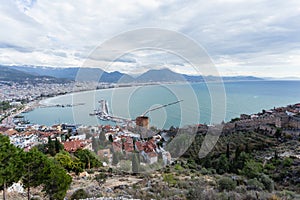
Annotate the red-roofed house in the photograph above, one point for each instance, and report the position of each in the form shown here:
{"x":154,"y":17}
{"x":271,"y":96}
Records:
{"x":128,"y":144}
{"x":117,"y":146}
{"x":149,"y":146}
{"x":11,"y":132}
{"x":139,"y":146}
{"x":74,"y":145}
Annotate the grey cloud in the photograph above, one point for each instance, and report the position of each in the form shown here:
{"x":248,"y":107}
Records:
{"x":59,"y":53}
{"x":244,"y":31}
{"x":4,"y":45}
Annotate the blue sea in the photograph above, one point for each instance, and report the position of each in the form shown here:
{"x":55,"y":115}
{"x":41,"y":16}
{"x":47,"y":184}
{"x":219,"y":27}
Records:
{"x":209,"y":103}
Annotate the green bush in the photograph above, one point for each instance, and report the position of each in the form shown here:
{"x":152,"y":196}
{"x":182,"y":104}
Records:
{"x":267,"y":182}
{"x":79,"y":194}
{"x":178,"y":167}
{"x":287,"y":162}
{"x":254,"y":184}
{"x":204,"y":171}
{"x":169,"y":178}
{"x":223,"y":164}
{"x":252,"y":169}
{"x":226,"y":183}
{"x":269,"y":166}
{"x":101,"y":178}
{"x":212,"y":171}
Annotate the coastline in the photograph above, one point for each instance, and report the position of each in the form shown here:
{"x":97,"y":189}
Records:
{"x":8,"y":121}
{"x":43,"y":102}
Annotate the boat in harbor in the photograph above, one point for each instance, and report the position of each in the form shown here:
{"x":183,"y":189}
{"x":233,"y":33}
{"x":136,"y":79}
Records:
{"x":102,"y":112}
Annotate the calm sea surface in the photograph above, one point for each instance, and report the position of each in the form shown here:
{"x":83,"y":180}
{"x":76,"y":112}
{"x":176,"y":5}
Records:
{"x":200,"y":104}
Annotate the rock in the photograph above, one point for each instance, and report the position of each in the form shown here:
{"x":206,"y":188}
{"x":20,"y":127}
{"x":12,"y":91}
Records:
{"x":149,"y":184}
{"x":83,"y":175}
{"x":109,"y":190}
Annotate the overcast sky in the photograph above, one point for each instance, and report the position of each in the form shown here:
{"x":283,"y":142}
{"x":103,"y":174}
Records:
{"x":242,"y":37}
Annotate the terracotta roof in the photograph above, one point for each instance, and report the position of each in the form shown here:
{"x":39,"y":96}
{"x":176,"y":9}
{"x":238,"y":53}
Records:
{"x":128,"y":144}
{"x":3,"y":129}
{"x":11,"y":132}
{"x":74,"y":145}
{"x":149,"y":146}
{"x":139,"y":145}
{"x":117,"y":146}
{"x":107,"y":127}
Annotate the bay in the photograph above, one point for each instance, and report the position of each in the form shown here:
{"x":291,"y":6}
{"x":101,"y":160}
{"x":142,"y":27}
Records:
{"x":247,"y":97}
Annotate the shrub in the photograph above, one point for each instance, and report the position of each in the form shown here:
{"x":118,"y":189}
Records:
{"x":229,"y":196}
{"x":269,"y":166}
{"x":226,"y":183}
{"x":101,"y":178}
{"x":178,"y":167}
{"x":287,"y":194}
{"x":254,"y":184}
{"x":267,"y":182}
{"x":79,"y":194}
{"x":241,"y":189}
{"x":169,"y":178}
{"x":222,"y":164}
{"x":250,"y":196}
{"x":252,"y":169}
{"x":287,"y":162}
{"x":183,"y":184}
{"x":204,"y":171}
{"x":125,"y":165}
{"x":202,"y":193}
{"x":212,"y":171}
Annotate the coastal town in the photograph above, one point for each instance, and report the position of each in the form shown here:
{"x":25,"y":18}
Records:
{"x":135,"y":147}
{"x":145,"y":100}
{"x":117,"y":146}
{"x":17,"y":98}
{"x":127,"y":139}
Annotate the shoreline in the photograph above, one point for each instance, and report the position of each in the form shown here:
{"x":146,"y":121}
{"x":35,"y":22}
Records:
{"x":27,"y":108}
{"x":41,"y":102}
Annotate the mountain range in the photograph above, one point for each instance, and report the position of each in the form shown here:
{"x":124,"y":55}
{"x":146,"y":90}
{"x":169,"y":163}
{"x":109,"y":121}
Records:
{"x":59,"y":74}
{"x":8,"y":73}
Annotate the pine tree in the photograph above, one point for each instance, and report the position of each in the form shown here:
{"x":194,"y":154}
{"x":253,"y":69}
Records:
{"x":56,"y":181}
{"x":95,"y":145}
{"x":237,"y":153}
{"x":276,"y":155}
{"x":88,"y":158}
{"x":51,"y":147}
{"x":102,"y":138}
{"x":110,"y":138}
{"x":222,"y":164}
{"x":227,"y":151}
{"x":239,"y":163}
{"x":33,"y":174}
{"x":10,"y":164}
{"x":58,"y":146}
